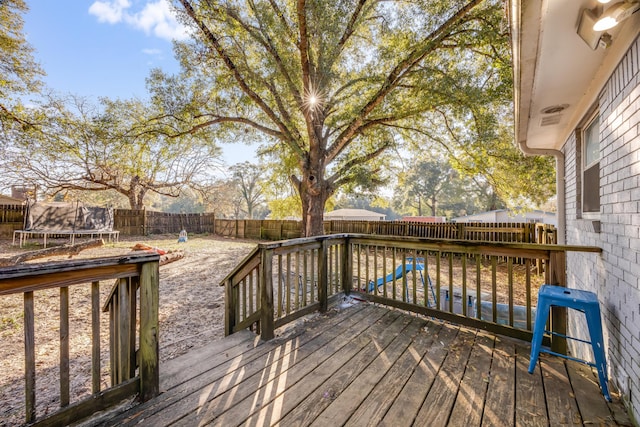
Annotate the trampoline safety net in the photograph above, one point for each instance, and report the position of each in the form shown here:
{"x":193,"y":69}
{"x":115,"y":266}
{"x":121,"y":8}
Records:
{"x":60,"y":216}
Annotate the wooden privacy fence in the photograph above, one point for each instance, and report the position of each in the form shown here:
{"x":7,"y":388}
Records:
{"x":11,"y":219}
{"x":144,"y":222}
{"x":132,"y":305}
{"x":476,"y":284}
{"x":491,"y":232}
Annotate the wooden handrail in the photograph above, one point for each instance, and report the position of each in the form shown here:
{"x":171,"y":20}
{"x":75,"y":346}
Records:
{"x":131,"y":273}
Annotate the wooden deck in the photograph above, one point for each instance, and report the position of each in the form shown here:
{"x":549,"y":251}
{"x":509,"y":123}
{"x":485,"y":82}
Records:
{"x":367,"y":365}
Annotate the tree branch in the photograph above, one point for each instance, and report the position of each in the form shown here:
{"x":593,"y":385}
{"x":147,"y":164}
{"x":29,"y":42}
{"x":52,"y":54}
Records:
{"x":334,"y":179}
{"x":222,"y":53}
{"x":430,"y":43}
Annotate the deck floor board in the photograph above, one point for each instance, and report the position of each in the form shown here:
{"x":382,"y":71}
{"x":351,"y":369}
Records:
{"x":368,"y":365}
{"x":467,"y":411}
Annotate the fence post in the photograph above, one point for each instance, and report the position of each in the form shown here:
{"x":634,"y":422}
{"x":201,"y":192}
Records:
{"x":322,"y":276}
{"x":145,"y":221}
{"x":460,"y":231}
{"x":149,"y":342}
{"x":556,"y":275}
{"x":347,"y":267}
{"x":266,"y":295}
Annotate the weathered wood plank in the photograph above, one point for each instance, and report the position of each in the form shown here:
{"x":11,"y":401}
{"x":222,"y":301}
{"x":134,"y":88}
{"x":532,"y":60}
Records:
{"x":359,"y":390}
{"x":64,"y":346}
{"x":122,"y":333}
{"x":591,"y":403}
{"x":266,"y":296}
{"x":149,"y":340}
{"x":500,"y":399}
{"x":95,"y":337}
{"x":374,"y":407}
{"x":437,"y":406}
{"x":33,"y":277}
{"x":298,"y":380}
{"x":92,"y":404}
{"x":408,"y":403}
{"x":469,"y":404}
{"x":184,"y":400}
{"x":29,"y":358}
{"x":531,"y":407}
{"x":561,"y":402}
{"x":338,"y":362}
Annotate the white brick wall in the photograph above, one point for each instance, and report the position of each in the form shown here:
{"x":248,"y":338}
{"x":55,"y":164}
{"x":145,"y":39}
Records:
{"x":615,"y":275}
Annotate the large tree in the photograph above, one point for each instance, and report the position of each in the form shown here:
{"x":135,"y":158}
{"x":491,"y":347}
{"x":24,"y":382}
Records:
{"x":19,"y":72}
{"x":248,"y":180}
{"x":423,"y":186}
{"x":331,"y":84}
{"x":74,"y":145}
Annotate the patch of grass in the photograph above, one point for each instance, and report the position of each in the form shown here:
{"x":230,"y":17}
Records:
{"x":11,"y":323}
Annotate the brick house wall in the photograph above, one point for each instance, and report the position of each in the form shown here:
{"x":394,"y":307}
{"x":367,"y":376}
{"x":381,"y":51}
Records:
{"x":615,"y":275}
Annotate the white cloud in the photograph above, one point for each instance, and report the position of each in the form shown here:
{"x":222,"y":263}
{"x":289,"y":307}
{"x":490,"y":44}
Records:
{"x":109,"y":11}
{"x":154,"y":18}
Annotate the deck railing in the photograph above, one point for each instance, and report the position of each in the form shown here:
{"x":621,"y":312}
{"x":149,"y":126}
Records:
{"x":132,"y":370}
{"x":492,"y":286}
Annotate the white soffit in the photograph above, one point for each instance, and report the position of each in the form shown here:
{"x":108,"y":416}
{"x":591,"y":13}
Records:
{"x":567,"y":71}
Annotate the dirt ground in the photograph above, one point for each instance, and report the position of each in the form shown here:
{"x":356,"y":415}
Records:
{"x":191,"y":315}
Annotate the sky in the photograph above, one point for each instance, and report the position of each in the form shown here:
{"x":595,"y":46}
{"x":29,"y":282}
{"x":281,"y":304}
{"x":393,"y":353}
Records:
{"x":107,"y":48}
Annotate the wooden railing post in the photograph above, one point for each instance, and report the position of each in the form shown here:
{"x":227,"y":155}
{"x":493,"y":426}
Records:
{"x":323,"y":280}
{"x":267,"y":324}
{"x":149,"y":341}
{"x":64,"y":346}
{"x":347,"y":267}
{"x":231,"y":302}
{"x":556,"y":275}
{"x":29,"y":358}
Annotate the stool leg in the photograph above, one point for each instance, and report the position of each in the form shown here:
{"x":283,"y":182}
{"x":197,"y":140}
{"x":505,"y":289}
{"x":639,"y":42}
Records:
{"x":597,"y":343}
{"x":542,"y":314}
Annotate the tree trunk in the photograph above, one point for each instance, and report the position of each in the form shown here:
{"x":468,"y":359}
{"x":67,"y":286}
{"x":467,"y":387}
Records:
{"x":55,"y":251}
{"x":314,"y":192}
{"x":313,"y":214}
{"x":135,"y":194}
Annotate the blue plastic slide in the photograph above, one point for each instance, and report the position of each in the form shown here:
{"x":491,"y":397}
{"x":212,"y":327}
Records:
{"x":400,"y":271}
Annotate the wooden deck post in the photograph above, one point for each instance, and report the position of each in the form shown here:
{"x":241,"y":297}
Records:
{"x":556,"y":275}
{"x":347,"y":267}
{"x":149,"y":342}
{"x":29,"y":358}
{"x":230,"y":298}
{"x":267,"y":324}
{"x":323,"y":279}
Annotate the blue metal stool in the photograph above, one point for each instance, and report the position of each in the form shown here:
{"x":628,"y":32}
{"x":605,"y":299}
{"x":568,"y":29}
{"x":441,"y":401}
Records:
{"x":584,"y":301}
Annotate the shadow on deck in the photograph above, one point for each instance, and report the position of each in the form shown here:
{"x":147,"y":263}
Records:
{"x":361,"y":364}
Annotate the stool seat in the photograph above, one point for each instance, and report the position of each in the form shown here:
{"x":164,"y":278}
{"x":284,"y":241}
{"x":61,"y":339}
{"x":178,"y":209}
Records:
{"x":584,"y":301}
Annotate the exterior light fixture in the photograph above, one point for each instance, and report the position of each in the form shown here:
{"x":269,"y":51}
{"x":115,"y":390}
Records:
{"x":616,"y":14}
